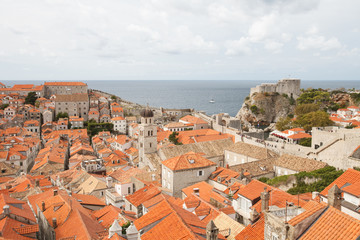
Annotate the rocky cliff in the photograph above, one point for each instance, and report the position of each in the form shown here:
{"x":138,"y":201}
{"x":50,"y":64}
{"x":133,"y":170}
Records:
{"x":266,"y":108}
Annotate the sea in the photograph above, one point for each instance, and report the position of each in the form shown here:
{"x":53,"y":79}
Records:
{"x":228,"y":95}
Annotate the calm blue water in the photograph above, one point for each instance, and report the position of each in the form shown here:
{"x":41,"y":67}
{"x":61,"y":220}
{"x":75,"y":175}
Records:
{"x":228,"y":95}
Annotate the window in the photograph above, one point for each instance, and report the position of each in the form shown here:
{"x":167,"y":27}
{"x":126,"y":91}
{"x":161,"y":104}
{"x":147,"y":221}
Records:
{"x":129,"y":190}
{"x":200,"y":173}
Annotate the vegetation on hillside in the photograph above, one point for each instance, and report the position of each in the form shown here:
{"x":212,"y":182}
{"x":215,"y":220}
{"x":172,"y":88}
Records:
{"x":323,"y":177}
{"x":310,"y":111}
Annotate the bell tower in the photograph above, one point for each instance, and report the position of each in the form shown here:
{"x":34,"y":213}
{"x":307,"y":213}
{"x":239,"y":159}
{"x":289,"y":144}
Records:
{"x":147,"y":135}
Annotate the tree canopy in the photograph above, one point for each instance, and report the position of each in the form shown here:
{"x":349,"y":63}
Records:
{"x":313,"y":119}
{"x":31,"y":98}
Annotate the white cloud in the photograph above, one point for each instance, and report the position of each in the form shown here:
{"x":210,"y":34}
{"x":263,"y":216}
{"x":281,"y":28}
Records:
{"x":274,"y":46}
{"x":83,"y":33}
{"x":318,"y":42}
{"x":239,"y":47}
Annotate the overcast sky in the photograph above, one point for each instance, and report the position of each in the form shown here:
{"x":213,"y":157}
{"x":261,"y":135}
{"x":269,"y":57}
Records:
{"x":179,"y":39}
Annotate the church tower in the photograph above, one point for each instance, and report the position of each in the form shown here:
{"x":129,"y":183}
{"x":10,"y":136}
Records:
{"x":148,"y":135}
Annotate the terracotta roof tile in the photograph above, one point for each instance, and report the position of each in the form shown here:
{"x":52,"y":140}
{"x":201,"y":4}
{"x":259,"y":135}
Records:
{"x":350,"y":176}
{"x":189,"y":160}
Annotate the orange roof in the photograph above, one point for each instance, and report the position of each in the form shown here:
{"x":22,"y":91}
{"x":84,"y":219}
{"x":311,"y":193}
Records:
{"x":172,"y":222}
{"x":29,"y":122}
{"x":118,"y":118}
{"x":353,"y":189}
{"x":192,"y":119}
{"x":107,"y":215}
{"x":187,"y":137}
{"x":333,"y":224}
{"x":279,"y":198}
{"x":350,"y":176}
{"x":64,"y":84}
{"x":189,"y":160}
{"x":300,"y":136}
{"x":353,"y":107}
{"x":224,"y":175}
{"x":204,"y":190}
{"x":253,"y":231}
{"x":143,"y":195}
{"x":161,"y":135}
{"x":84,"y":199}
{"x":253,"y":190}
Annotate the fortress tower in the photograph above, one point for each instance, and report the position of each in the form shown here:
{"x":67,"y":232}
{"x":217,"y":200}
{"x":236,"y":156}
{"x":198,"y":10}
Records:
{"x":289,"y":86}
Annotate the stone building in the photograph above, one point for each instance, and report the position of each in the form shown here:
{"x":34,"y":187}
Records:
{"x":148,"y":135}
{"x":185,"y":170}
{"x":288,"y":86}
{"x":338,"y":147}
{"x":64,"y":88}
{"x":74,"y":105}
{"x":241,"y":153}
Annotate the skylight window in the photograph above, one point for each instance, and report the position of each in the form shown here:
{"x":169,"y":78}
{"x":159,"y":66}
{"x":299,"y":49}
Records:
{"x":191,"y":161}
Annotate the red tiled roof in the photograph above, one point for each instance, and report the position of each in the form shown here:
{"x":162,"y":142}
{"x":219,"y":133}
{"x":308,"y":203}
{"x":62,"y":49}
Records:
{"x":350,"y":176}
{"x":143,"y":195}
{"x":333,"y":224}
{"x":189,"y":160}
{"x":192,"y":119}
{"x":253,"y":231}
{"x":253,"y":190}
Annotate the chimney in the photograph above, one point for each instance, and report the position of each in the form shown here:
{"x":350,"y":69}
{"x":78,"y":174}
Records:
{"x":55,"y":192}
{"x":153,"y":177}
{"x":37,"y":183}
{"x":6,"y":210}
{"x":43,"y":206}
{"x":314,"y":195}
{"x":212,"y":231}
{"x":54,"y":223}
{"x":196,"y":191}
{"x":109,"y":181}
{"x":265,"y":197}
{"x":334,"y":197}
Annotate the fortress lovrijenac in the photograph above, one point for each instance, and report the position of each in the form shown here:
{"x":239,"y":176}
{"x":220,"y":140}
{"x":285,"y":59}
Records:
{"x":289,"y":86}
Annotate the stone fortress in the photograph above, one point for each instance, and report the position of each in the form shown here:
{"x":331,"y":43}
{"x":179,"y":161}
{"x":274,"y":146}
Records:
{"x":289,"y":86}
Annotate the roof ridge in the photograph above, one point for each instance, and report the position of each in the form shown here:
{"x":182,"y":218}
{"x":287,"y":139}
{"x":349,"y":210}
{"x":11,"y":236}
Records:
{"x":180,"y":218}
{"x":314,"y":221}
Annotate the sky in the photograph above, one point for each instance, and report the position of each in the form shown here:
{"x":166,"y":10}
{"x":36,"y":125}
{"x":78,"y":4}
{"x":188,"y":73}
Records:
{"x":179,"y":40}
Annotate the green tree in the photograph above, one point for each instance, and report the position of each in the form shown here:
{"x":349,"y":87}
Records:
{"x":174,"y":139}
{"x":306,"y":142}
{"x":31,"y":98}
{"x":314,"y":96}
{"x":2,"y":107}
{"x":62,"y":115}
{"x":283,"y":124}
{"x":113,"y":97}
{"x":254,"y":109}
{"x":306,"y":108}
{"x":313,"y":119}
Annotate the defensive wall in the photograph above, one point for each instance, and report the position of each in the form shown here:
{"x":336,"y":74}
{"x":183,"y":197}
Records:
{"x":288,"y":86}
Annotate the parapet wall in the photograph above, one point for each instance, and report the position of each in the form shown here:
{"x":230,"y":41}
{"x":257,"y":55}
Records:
{"x":291,"y":87}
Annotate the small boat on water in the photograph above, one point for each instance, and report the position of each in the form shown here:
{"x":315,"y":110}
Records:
{"x":211,"y":101}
